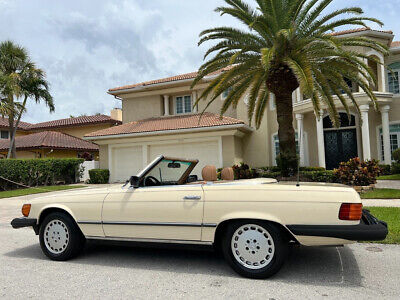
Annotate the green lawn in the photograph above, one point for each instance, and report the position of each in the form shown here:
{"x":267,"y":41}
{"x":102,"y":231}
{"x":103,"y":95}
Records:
{"x":44,"y":189}
{"x":390,"y":215}
{"x":389,"y":177}
{"x":381,"y":194}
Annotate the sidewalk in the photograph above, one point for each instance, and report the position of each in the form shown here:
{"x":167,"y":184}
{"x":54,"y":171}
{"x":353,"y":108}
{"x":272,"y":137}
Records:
{"x":381,"y":202}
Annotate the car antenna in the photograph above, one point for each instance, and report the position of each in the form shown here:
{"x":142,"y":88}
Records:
{"x":300,"y":132}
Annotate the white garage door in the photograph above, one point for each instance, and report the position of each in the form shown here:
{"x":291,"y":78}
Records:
{"x":126,"y":161}
{"x":207,"y":152}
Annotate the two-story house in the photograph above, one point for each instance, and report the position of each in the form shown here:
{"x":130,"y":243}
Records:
{"x":159,"y":118}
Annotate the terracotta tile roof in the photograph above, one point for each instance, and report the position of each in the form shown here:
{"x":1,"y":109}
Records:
{"x":168,"y":123}
{"x":21,"y":125}
{"x":395,"y":44}
{"x":83,"y":120}
{"x":49,"y":140}
{"x":359,"y":30}
{"x":186,"y":76}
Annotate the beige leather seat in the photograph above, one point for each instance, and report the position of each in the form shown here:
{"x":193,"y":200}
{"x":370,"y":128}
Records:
{"x":209,"y":173}
{"x":227,"y":174}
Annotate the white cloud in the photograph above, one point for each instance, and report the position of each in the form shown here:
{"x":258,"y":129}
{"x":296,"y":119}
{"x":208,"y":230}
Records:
{"x":89,"y":46}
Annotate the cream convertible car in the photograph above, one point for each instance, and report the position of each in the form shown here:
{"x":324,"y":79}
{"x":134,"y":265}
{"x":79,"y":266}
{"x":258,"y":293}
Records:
{"x":251,"y":221}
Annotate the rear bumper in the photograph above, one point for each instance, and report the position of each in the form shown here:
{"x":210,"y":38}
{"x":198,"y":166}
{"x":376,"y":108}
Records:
{"x":369,"y":229}
{"x":24,"y":222}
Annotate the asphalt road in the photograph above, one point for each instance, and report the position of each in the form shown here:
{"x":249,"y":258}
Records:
{"x":105,"y":271}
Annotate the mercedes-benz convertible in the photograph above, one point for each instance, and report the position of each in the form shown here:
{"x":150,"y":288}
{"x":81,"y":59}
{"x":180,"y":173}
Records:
{"x":252,"y":222}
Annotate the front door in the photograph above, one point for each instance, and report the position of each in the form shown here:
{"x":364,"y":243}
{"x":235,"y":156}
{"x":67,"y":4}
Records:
{"x":172,"y":212}
{"x":340,"y":145}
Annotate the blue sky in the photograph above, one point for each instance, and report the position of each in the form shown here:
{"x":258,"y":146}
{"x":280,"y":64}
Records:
{"x":89,"y":46}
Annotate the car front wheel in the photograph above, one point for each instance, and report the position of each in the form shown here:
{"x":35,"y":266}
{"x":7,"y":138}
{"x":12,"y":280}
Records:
{"x":60,"y":237}
{"x":254,"y":249}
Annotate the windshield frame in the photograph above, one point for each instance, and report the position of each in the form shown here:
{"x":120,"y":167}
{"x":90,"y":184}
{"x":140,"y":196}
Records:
{"x":193,"y":162}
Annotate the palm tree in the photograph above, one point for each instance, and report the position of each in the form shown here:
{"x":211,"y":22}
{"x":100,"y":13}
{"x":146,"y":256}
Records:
{"x":288,"y":45}
{"x":19,"y":78}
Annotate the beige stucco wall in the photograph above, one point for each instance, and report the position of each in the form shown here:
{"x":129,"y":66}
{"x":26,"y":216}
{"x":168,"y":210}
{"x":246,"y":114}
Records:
{"x":103,"y":154}
{"x":232,"y":151}
{"x":134,"y":109}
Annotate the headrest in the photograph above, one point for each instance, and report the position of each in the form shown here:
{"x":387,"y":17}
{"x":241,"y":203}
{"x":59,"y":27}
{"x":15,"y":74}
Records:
{"x":227,"y":174}
{"x":209,"y":173}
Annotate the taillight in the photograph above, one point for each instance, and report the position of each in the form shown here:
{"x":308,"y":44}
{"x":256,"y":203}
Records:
{"x":26,"y":208}
{"x":350,"y":211}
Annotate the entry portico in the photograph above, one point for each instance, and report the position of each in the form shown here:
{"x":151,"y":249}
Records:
{"x":352,"y":138}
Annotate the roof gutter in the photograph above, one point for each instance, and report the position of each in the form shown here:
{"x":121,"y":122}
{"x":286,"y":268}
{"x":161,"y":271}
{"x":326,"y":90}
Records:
{"x":243,"y":127}
{"x":140,"y":88}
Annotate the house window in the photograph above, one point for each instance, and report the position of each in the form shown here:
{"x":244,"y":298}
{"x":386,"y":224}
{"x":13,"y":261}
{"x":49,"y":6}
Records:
{"x":225,"y":93}
{"x":183,"y":104}
{"x":276,"y":144}
{"x":394,"y":131}
{"x":393,"y":80}
{"x":272,"y":104}
{"x":4,"y":134}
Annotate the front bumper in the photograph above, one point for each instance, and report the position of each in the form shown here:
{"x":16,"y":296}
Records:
{"x":369,"y":229}
{"x":24,"y":222}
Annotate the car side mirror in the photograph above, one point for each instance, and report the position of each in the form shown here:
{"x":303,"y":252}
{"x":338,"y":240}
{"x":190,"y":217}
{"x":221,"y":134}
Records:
{"x":134,"y":181}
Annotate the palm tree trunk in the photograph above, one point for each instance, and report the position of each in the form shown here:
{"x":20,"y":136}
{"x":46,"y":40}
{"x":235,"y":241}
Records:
{"x":12,"y":151}
{"x":287,"y":159}
{"x":12,"y":138}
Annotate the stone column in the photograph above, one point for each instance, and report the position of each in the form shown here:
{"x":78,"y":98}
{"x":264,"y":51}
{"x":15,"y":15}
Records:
{"x":365,"y":132}
{"x":383,"y":76}
{"x":300,"y":133}
{"x":386,"y":134}
{"x":166,"y":105}
{"x":320,"y":140}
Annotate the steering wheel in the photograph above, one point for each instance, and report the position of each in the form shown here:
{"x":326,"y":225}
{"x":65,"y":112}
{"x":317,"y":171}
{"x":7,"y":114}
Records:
{"x":151,"y":181}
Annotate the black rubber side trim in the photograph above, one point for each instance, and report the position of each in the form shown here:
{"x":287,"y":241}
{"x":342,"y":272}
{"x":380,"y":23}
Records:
{"x":369,"y":229}
{"x":23,"y":222}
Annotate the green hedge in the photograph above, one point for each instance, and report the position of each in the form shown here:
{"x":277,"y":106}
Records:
{"x":99,"y":176}
{"x":36,"y":172}
{"x":320,"y":176}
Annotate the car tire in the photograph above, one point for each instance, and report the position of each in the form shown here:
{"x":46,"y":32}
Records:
{"x":254,"y":249}
{"x":60,"y":238}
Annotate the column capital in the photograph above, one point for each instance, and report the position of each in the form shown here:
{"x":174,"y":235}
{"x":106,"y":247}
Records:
{"x":166,"y":97}
{"x":385,"y":108}
{"x":321,"y":115}
{"x":299,"y":116}
{"x":364,"y":108}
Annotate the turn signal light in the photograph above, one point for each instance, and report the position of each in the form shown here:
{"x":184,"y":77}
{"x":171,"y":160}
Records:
{"x":350,"y":211}
{"x":26,"y":208}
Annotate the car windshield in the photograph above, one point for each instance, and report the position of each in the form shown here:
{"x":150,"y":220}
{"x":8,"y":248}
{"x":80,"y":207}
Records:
{"x":168,"y":171}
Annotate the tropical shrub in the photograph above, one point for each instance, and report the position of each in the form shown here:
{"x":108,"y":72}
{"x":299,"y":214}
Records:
{"x":99,"y":176}
{"x":36,"y":172}
{"x":243,"y":171}
{"x":319,"y":176}
{"x":385,"y":169}
{"x":358,"y":173}
{"x":395,"y":168}
{"x":396,"y":155}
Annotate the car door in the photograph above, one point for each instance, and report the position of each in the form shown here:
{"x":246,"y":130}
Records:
{"x":172,"y":212}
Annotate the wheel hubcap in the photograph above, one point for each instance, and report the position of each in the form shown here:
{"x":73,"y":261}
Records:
{"x":252,"y":246}
{"x":56,"y":236}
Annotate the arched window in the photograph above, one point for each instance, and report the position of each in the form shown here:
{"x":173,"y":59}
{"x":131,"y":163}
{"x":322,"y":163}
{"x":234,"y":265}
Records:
{"x":344,"y":121}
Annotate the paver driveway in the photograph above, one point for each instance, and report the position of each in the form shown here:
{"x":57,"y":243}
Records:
{"x":104,"y":271}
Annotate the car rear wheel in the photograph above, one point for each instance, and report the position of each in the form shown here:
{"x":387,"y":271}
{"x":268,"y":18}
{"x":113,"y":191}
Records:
{"x":254,"y":249}
{"x":60,"y":238}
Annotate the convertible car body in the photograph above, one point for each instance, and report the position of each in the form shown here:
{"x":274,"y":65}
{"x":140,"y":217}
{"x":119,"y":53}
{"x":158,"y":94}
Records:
{"x":251,"y":221}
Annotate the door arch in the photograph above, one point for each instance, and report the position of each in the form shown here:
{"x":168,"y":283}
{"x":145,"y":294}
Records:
{"x":340,"y":143}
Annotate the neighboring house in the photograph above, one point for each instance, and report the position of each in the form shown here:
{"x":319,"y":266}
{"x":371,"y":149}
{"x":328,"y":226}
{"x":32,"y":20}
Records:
{"x":159,"y":118}
{"x":58,"y":138}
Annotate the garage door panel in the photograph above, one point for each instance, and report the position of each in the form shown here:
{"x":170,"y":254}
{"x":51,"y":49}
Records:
{"x":127,"y":161}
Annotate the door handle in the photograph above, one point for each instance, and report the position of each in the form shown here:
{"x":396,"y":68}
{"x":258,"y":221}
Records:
{"x":192,"y":198}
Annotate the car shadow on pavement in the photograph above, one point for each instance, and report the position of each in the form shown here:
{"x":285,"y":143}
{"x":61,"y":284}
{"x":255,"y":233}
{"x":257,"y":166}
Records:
{"x":332,"y":266}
